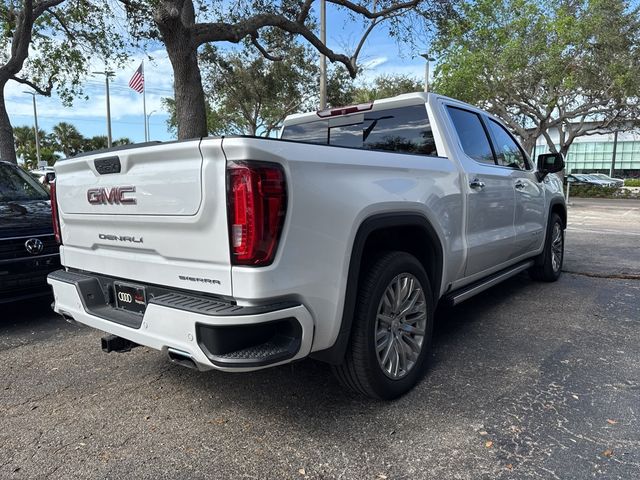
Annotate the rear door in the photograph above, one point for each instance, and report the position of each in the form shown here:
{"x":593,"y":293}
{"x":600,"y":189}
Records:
{"x":529,"y":219}
{"x":490,"y":232}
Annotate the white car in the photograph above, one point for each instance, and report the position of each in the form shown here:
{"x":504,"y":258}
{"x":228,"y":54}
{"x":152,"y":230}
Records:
{"x":617,"y":182}
{"x":44,"y":175}
{"x":336,"y":241}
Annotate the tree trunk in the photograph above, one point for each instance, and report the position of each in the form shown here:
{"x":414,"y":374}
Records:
{"x":173,"y":20}
{"x":528,"y":143}
{"x":7,"y":143}
{"x":191,"y":114}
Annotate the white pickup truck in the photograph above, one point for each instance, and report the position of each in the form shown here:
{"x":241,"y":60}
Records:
{"x":336,"y":241}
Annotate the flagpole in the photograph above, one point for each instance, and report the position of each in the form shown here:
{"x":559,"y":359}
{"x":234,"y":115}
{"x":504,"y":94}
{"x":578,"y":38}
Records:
{"x":144,"y":104}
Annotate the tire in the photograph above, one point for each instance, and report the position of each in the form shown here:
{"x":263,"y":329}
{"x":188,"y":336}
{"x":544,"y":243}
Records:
{"x":548,"y":266}
{"x":374,"y":365}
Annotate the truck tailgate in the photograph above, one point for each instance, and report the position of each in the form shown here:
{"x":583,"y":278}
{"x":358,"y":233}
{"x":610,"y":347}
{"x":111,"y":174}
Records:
{"x":153,"y":214}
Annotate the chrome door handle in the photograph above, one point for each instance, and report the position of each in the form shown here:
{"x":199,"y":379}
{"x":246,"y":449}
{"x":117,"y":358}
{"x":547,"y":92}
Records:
{"x":520,"y":185}
{"x":476,"y":184}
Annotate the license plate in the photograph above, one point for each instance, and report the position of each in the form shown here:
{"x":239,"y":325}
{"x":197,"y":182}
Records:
{"x":130,"y":297}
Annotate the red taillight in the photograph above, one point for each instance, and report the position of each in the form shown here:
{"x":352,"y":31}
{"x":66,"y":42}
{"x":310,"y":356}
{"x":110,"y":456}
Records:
{"x":54,"y":212}
{"x":257,"y":197}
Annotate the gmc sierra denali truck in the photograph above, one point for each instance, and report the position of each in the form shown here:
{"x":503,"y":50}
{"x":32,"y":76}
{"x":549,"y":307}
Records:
{"x":335,"y":241}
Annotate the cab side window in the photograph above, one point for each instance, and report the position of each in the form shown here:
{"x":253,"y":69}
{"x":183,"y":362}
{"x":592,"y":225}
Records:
{"x":507,"y":151}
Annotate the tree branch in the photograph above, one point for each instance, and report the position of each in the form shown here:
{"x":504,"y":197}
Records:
{"x":262,"y":50}
{"x":40,"y":7}
{"x":70,"y":34}
{"x":371,"y":15}
{"x":46,"y":91}
{"x":304,"y":11}
{"x":216,"y":32}
{"x":363,"y":39}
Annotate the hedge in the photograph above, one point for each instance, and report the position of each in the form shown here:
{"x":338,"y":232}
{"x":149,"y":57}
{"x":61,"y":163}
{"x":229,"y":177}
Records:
{"x":632,"y":182}
{"x":594,"y":191}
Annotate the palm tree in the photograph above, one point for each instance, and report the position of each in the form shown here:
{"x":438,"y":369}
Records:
{"x":25,"y":142}
{"x":97,"y":142}
{"x":122,"y":141}
{"x":67,"y":138}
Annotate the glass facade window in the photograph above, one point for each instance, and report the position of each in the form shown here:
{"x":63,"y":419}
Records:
{"x":584,"y":157}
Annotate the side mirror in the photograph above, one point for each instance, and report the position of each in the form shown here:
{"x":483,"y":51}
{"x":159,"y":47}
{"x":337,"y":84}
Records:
{"x":549,"y":163}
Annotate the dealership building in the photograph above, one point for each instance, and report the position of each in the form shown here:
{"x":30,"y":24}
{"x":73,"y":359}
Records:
{"x":594,"y":153}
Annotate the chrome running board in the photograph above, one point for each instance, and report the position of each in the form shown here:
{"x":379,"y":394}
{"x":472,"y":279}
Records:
{"x":465,"y":293}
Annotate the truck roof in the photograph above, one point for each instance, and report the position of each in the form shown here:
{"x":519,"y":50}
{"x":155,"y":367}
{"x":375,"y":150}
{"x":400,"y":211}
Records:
{"x":406,"y":99}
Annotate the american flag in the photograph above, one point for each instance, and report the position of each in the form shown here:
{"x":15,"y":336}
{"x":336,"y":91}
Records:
{"x":137,"y":81}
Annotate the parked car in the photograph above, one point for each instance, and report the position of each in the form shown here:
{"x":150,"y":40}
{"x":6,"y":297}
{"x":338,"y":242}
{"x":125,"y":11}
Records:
{"x":44,"y":175}
{"x":587,"y":179}
{"x":618,"y":182}
{"x":28,"y":249}
{"x":336,"y":241}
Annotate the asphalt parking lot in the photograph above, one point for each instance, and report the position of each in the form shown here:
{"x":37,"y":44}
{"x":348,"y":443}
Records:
{"x":528,"y":380}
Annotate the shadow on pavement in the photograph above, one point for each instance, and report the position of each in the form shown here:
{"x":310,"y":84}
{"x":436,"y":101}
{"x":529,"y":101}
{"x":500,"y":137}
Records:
{"x":31,"y":314}
{"x":308,"y":389}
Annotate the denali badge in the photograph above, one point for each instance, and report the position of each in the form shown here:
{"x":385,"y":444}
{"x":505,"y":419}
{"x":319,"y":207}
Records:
{"x":120,"y":238}
{"x":34,"y":246}
{"x":102,"y":195}
{"x":199,"y":280}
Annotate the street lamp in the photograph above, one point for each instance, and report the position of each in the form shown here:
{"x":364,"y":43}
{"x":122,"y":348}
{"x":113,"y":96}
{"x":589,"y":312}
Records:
{"x":35,"y":117}
{"x":323,"y":58}
{"x":426,"y":70}
{"x":149,"y":125}
{"x":107,"y":74}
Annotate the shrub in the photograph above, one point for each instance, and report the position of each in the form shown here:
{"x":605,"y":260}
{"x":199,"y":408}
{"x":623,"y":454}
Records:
{"x":632,"y":182}
{"x":594,"y":191}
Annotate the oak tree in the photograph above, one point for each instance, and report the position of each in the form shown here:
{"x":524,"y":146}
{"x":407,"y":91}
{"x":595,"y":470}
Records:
{"x":570,"y":65}
{"x":47,"y":45}
{"x":184,"y":26}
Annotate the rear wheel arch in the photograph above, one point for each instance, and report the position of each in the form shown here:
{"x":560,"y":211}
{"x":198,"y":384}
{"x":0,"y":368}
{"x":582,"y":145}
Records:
{"x":400,"y":231}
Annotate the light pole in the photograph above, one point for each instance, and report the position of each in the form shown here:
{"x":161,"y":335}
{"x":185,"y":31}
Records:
{"x":35,"y":117}
{"x":323,"y":58}
{"x":107,"y":74}
{"x":426,"y":70}
{"x":613,"y":155}
{"x":149,"y":125}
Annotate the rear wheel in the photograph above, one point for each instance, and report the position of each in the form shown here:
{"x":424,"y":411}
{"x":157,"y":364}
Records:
{"x":392,"y":328}
{"x":548,"y":265}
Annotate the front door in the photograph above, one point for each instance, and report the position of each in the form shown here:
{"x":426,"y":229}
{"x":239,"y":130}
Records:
{"x":529,"y":219}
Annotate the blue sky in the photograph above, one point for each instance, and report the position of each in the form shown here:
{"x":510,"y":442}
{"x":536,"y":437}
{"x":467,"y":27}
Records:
{"x":380,"y":55}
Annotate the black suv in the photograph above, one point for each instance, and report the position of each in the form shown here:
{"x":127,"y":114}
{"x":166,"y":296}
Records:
{"x":28,"y":248}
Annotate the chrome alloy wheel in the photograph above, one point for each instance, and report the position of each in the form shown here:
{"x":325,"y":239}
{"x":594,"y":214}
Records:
{"x":401,"y":321}
{"x":557,"y":247}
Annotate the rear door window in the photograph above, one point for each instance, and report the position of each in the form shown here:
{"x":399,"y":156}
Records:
{"x":472,"y":135}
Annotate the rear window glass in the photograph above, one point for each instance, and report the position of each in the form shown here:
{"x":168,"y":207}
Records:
{"x":404,"y":129}
{"x":17,"y":186}
{"x":472,"y":135}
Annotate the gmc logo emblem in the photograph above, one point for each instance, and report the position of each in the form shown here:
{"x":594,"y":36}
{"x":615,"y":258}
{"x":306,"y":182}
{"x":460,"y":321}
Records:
{"x":114,"y":195}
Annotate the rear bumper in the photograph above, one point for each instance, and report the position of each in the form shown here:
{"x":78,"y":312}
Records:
{"x":227,"y":337}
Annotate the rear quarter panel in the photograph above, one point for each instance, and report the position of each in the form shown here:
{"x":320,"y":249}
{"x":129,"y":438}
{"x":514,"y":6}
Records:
{"x":331,"y":191}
